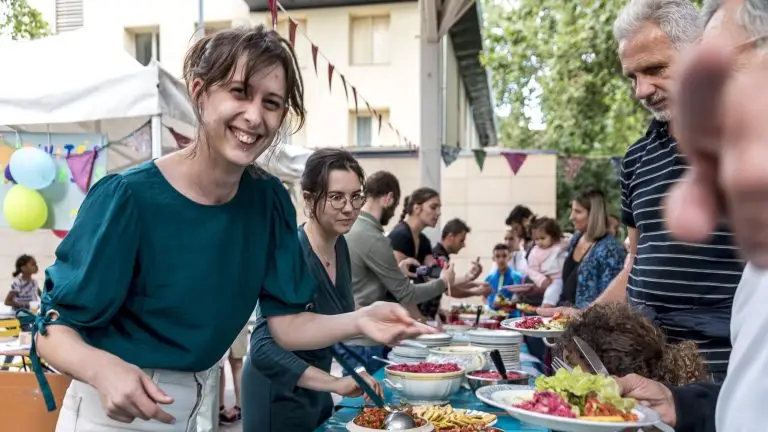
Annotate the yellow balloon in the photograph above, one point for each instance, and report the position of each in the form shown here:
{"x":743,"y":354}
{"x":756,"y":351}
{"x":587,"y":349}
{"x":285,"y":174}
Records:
{"x":25,"y":209}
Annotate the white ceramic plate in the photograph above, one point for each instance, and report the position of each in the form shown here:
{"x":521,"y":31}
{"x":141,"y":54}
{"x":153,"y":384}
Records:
{"x":511,"y":324}
{"x":503,"y":396}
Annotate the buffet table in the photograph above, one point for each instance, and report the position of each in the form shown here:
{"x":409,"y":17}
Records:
{"x":349,"y":407}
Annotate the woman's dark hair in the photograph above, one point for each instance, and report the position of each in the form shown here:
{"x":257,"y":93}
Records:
{"x":628,"y":342}
{"x":317,"y":169}
{"x":593,"y":202}
{"x":382,"y":183}
{"x":214,"y":58}
{"x":417,"y":197}
{"x":549,"y":226}
{"x":21,"y":262}
{"x":518,"y":215}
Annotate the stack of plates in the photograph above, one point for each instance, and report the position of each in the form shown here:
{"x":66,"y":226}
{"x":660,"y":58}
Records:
{"x":404,"y":354}
{"x":435,"y":340}
{"x":506,"y":341}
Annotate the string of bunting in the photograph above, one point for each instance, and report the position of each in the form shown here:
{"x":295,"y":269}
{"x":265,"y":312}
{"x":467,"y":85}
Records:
{"x":293,"y":29}
{"x":572,"y":164}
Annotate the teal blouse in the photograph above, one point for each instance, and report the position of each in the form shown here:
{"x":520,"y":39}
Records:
{"x":163,"y":282}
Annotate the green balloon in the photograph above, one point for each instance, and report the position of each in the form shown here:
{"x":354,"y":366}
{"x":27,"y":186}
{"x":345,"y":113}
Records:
{"x":25,"y":209}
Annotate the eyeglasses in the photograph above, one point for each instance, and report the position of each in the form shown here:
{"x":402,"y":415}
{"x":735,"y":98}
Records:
{"x":339,"y":200}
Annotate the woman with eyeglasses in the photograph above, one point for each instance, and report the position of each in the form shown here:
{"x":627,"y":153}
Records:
{"x":290,"y":391}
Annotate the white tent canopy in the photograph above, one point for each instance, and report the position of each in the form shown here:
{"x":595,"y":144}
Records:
{"x":75,"y":83}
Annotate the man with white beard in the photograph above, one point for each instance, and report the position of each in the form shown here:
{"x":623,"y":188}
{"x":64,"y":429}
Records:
{"x":721,"y":109}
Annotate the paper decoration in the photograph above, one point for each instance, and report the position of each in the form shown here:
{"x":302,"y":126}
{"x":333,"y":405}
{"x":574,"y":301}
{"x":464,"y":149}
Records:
{"x":572,"y":166}
{"x":292,"y":31}
{"x":616,"y":164}
{"x":330,"y":77}
{"x":378,"y":116}
{"x":479,"y":157}
{"x":449,"y":154}
{"x":273,"y":12}
{"x":354,"y":94}
{"x":314,"y":57}
{"x":181,"y":140}
{"x":81,"y":167}
{"x":515,"y":160}
{"x":346,"y":91}
{"x":139,"y":140}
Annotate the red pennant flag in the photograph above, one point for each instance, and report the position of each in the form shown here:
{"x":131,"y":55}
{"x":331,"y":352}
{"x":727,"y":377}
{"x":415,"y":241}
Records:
{"x":354,"y":94}
{"x":181,"y":140}
{"x":81,"y":167}
{"x":344,"y":83}
{"x":370,"y":110}
{"x":292,"y":31}
{"x":273,"y":12}
{"x":314,"y":56}
{"x":515,"y":160}
{"x":330,"y":77}
{"x":379,"y":117}
{"x":572,"y":166}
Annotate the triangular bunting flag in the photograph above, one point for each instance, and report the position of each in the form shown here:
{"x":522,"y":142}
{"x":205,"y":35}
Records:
{"x":515,"y":160}
{"x":273,"y":12}
{"x":449,"y":154}
{"x":139,"y":140}
{"x":81,"y":167}
{"x":344,"y":83}
{"x":314,"y":56}
{"x":479,"y":157}
{"x":330,"y":77}
{"x":181,"y":140}
{"x":572,"y":166}
{"x":370,"y":110}
{"x":354,"y":94}
{"x":292,"y":31}
{"x":616,"y":164}
{"x":378,"y":116}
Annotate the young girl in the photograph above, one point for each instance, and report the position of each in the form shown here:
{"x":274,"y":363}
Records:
{"x":166,"y":261}
{"x":628,"y":342}
{"x":545,"y":262}
{"x":24,"y":289}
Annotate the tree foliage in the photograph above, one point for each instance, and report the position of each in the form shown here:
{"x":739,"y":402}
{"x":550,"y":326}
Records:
{"x":19,"y":20}
{"x":560,"y":56}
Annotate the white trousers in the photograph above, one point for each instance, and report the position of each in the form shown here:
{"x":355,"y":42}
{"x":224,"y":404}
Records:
{"x":82,"y":411}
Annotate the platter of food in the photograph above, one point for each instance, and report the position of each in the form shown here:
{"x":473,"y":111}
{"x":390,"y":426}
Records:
{"x":571,"y":401}
{"x":536,"y":326}
{"x":449,"y":419}
{"x":526,"y":308}
{"x":371,"y":419}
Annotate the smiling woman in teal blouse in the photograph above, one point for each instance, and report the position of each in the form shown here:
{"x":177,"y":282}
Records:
{"x":166,"y":262}
{"x":289,"y":391}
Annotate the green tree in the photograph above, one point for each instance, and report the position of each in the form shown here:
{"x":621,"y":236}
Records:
{"x":19,"y":20}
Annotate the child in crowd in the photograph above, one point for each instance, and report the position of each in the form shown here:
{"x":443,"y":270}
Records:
{"x":545,"y":262}
{"x":627,"y":342}
{"x":24,"y":290}
{"x":501,"y":276}
{"x":513,"y":237}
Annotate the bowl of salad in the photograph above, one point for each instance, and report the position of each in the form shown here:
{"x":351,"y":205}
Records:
{"x":571,"y":401}
{"x":486,"y":377}
{"x":425,"y":381}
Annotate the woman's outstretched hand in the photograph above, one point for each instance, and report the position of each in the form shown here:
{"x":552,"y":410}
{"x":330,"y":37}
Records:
{"x":389,"y":323}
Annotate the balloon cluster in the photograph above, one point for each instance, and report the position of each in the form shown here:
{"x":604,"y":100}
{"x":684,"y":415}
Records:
{"x":31,"y":169}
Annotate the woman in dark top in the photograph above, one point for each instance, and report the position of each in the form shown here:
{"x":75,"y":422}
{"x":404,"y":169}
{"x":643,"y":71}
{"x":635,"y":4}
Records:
{"x":165,"y":262}
{"x":422,"y":209}
{"x":289,"y":391}
{"x":595,"y":257}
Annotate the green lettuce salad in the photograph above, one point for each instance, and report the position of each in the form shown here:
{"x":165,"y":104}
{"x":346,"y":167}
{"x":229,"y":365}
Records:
{"x":574,"y":386}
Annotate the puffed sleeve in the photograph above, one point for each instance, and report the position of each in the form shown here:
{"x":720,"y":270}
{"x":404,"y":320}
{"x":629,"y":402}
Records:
{"x":89,"y":280}
{"x":288,"y":286}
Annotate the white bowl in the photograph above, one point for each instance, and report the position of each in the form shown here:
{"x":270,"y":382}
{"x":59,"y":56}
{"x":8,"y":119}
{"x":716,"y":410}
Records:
{"x":418,"y":387}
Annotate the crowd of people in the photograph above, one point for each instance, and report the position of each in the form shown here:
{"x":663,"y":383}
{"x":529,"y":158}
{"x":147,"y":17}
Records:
{"x":132,"y":310}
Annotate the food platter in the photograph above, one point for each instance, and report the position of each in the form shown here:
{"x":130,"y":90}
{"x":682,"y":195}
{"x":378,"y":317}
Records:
{"x":430,"y":418}
{"x":500,"y":396}
{"x":549,"y":327}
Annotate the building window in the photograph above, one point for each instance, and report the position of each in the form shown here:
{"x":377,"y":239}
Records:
{"x":147,"y":47}
{"x":69,"y":15}
{"x":369,"y":40}
{"x":363,"y":131}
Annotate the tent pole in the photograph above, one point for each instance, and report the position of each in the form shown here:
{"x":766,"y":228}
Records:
{"x":157,"y":136}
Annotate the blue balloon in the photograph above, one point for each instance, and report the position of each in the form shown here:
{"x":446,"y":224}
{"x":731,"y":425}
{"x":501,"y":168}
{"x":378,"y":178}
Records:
{"x":32,"y":167}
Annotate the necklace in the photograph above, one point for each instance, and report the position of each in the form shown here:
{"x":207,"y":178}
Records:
{"x":323,"y":259}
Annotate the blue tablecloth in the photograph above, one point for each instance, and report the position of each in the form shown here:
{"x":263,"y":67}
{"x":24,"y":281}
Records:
{"x":349,"y":407}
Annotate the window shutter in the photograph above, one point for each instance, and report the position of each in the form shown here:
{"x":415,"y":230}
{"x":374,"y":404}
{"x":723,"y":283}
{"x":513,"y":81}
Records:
{"x":69,"y":15}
